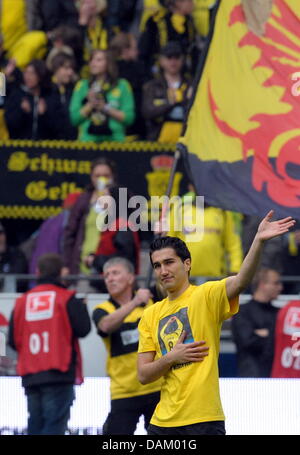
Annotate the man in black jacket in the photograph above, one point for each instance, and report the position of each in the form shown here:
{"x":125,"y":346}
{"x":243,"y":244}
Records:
{"x":253,"y":327}
{"x":44,"y":329}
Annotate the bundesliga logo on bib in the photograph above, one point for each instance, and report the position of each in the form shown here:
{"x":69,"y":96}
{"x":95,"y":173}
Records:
{"x":40,"y":306}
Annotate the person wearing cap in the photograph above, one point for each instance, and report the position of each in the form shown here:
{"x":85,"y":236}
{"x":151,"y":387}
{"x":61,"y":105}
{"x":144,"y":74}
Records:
{"x":12,"y":260}
{"x":165,"y":97}
{"x":173,"y":22}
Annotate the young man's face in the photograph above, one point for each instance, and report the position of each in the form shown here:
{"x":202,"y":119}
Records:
{"x":118,"y":280}
{"x":169,"y":269}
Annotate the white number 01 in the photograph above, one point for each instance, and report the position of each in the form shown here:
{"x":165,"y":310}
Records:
{"x":37,"y":343}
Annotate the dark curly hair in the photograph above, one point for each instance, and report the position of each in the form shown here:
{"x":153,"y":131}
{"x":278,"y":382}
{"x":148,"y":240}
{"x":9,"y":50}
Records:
{"x":175,"y":243}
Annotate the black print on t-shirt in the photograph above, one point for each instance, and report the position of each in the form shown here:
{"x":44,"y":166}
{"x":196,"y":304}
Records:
{"x":170,"y":329}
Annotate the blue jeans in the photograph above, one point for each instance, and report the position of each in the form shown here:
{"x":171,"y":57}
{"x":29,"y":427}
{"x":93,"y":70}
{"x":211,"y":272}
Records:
{"x":49,"y":408}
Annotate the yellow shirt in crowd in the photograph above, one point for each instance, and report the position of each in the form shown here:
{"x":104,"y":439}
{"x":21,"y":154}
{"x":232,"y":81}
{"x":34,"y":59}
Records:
{"x":219,"y":248}
{"x":190,"y":392}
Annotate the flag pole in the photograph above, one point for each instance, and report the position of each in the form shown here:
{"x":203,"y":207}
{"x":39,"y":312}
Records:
{"x":165,"y":206}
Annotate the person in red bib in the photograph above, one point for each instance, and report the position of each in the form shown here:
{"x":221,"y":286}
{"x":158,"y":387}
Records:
{"x":286,"y":362}
{"x":44,"y":329}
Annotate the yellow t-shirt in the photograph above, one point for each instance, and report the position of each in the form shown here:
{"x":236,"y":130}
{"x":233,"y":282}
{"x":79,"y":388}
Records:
{"x":121,"y":348}
{"x":190,"y":392}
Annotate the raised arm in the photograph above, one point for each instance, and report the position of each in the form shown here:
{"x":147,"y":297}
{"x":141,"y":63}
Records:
{"x":113,"y":321}
{"x":266,"y":230}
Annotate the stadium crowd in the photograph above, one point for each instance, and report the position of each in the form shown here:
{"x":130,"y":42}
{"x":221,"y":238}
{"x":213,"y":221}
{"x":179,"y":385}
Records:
{"x":81,"y":69}
{"x":93,"y":70}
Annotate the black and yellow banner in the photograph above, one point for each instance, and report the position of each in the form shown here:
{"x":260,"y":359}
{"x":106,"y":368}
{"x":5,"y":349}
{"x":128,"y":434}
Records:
{"x":243,"y":127}
{"x":35,"y":177}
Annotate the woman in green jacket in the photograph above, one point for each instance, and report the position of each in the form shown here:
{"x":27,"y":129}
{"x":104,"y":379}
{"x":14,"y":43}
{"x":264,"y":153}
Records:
{"x":102,"y":106}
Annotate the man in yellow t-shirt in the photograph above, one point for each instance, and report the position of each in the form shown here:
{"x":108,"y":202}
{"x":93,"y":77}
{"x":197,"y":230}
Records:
{"x":190,"y":399}
{"x":117,"y":321}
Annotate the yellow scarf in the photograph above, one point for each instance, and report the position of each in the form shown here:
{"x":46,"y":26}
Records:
{"x":178,"y":23}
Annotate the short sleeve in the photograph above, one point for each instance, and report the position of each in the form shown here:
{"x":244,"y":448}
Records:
{"x":218,"y":302}
{"x":98,"y":314}
{"x":146,"y":343}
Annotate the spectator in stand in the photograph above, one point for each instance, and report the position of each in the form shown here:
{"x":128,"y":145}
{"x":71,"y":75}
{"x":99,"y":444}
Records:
{"x":102,"y":106}
{"x":67,"y":40}
{"x":12,"y":260}
{"x":165,"y":97}
{"x":125,"y":51}
{"x":254,"y":326}
{"x":29,"y":26}
{"x":62,"y":67}
{"x":81,"y":236}
{"x":118,"y":237}
{"x":92,"y":22}
{"x":173,"y":23}
{"x":44,"y":329}
{"x":31,"y":112}
{"x":116,"y":321}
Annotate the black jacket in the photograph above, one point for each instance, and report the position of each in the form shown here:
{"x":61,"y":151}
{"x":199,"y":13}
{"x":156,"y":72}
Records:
{"x":159,"y":30}
{"x":81,"y":325}
{"x":32,"y":125}
{"x":156,"y":108}
{"x":134,"y":73}
{"x":66,"y":131}
{"x":254,"y":353}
